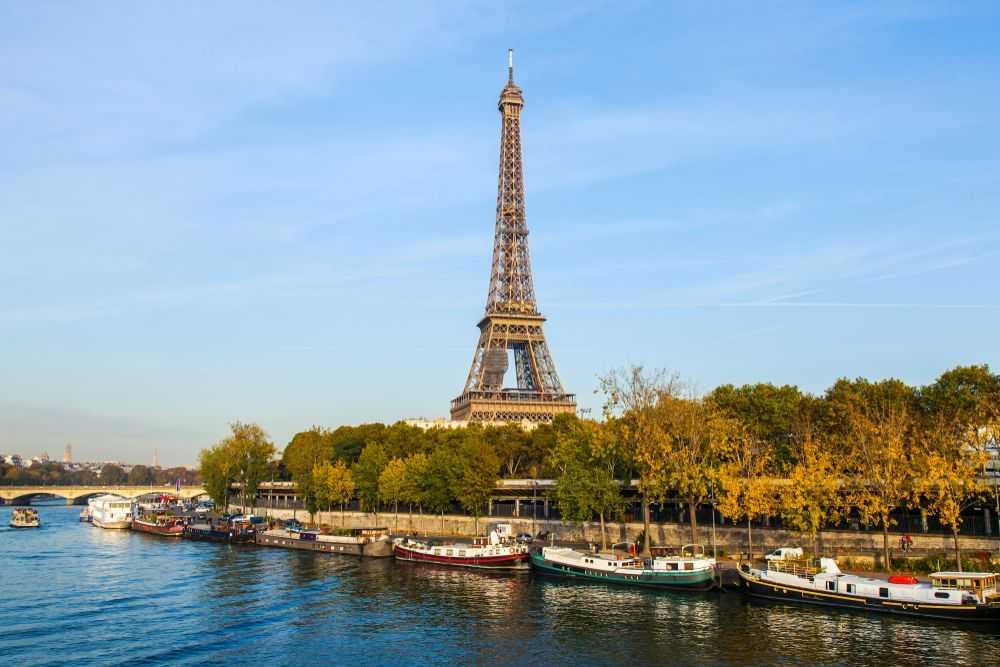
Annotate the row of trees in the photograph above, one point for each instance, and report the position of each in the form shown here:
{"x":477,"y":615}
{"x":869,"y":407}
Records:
{"x":862,"y":450}
{"x":56,"y":474}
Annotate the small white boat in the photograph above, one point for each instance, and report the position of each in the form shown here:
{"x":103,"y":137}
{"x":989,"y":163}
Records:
{"x":25,"y":517}
{"x":111,"y":512}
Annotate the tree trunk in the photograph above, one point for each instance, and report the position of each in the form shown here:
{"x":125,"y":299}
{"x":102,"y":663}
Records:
{"x":604,"y":533}
{"x":475,"y":523}
{"x":886,"y":563}
{"x":342,"y":517}
{"x":395,"y":518}
{"x":645,"y":526}
{"x":958,"y":551}
{"x":411,"y":517}
{"x":693,"y":518}
{"x":749,"y":540}
{"x":442,"y":522}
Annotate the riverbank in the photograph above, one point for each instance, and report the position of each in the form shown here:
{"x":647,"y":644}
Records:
{"x":863,"y":547}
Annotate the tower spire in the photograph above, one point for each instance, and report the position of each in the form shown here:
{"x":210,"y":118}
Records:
{"x":512,"y":325}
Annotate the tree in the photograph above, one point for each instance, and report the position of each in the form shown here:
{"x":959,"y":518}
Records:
{"x":876,"y":434}
{"x":305,"y":451}
{"x":746,"y":492}
{"x":334,"y":484}
{"x":951,"y":479}
{"x":250,"y":450}
{"x":775,"y":415}
{"x":112,"y":474}
{"x":585,"y":485}
{"x":511,"y":444}
{"x":392,"y":486}
{"x":438,"y":483}
{"x":140,"y":475}
{"x":630,"y":395}
{"x":477,"y":476}
{"x":366,"y":471}
{"x":415,"y":472}
{"x":811,"y":494}
{"x":218,"y":472}
{"x":681,"y":453}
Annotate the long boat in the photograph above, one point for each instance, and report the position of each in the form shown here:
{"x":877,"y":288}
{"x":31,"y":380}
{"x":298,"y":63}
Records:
{"x":499,"y":550}
{"x":690,"y":570}
{"x":369,"y":542}
{"x":962,"y":596}
{"x":223,"y":529}
{"x":159,"y":524}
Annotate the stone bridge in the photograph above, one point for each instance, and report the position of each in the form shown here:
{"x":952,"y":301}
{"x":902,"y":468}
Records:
{"x":78,"y":495}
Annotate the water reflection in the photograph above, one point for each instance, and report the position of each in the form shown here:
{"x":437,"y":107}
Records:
{"x":177,"y":602}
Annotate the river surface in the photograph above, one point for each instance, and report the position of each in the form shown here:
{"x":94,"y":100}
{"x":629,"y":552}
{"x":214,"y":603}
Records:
{"x":79,"y":595}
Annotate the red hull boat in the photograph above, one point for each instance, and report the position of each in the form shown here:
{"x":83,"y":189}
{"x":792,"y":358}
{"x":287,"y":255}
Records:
{"x":172,"y":527}
{"x":498,"y":551}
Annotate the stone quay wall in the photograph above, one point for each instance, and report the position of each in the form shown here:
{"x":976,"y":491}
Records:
{"x":730,"y":539}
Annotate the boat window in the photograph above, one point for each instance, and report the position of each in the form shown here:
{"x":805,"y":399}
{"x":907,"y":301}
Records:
{"x":831,"y":585}
{"x":688,"y":566}
{"x":941,"y":595}
{"x":850,"y":588}
{"x":883,"y":592}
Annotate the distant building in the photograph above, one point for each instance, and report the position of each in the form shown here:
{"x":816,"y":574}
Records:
{"x":68,"y":453}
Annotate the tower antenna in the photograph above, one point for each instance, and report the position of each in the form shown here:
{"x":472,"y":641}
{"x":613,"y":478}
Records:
{"x":510,"y":65}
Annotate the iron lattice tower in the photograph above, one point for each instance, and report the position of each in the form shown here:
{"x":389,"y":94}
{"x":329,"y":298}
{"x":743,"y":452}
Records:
{"x":512,"y":323}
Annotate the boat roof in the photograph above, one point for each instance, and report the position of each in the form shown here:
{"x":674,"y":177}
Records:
{"x":963,"y":575}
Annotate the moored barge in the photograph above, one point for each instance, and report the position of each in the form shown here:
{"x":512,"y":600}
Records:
{"x":234,"y":529}
{"x":159,"y":524}
{"x":961,"y":596}
{"x":369,"y":542}
{"x":499,"y":550}
{"x":690,"y":570}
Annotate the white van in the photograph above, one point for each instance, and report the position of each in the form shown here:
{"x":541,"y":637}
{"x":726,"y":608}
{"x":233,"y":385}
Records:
{"x":784,"y":553}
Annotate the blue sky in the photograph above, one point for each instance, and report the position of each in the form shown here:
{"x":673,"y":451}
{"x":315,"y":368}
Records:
{"x":246,"y":212}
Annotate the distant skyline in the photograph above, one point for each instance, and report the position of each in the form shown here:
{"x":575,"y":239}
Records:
{"x":234,"y":212}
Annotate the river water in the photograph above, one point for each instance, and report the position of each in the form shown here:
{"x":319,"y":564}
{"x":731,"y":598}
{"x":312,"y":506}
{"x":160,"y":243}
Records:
{"x":75,"y":594}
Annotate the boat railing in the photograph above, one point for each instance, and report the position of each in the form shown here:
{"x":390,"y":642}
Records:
{"x":796,"y":568}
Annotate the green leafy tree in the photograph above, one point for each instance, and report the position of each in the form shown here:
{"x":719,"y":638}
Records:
{"x":437,"y":485}
{"x":305,"y":451}
{"x":366,"y":471}
{"x":585,"y":485}
{"x":250,"y":450}
{"x":416,"y":470}
{"x":218,"y":472}
{"x":477,"y":476}
{"x":392,"y":486}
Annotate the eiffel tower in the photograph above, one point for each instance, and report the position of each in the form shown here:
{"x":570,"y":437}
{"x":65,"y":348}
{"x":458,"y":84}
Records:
{"x":512,"y":322}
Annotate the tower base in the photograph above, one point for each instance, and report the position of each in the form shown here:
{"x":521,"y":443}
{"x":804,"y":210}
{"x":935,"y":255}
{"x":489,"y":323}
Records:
{"x":511,"y":405}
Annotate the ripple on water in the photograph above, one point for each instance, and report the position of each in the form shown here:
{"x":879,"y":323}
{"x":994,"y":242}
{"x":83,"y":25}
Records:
{"x":77,"y":594}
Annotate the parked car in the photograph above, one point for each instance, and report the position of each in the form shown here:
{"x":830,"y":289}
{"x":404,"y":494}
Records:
{"x":784,"y":553}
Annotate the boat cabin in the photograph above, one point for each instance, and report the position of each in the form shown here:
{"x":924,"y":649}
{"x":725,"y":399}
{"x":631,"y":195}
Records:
{"x":982,"y":585}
